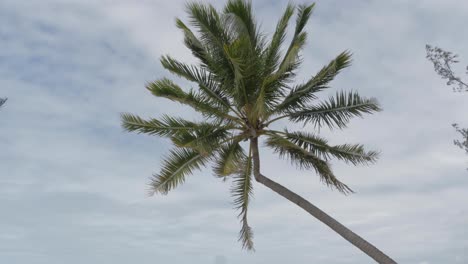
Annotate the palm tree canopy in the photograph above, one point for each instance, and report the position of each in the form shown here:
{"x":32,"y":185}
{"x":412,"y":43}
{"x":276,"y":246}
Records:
{"x":244,"y":83}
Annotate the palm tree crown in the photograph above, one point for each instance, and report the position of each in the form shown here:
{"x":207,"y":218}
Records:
{"x":244,"y":83}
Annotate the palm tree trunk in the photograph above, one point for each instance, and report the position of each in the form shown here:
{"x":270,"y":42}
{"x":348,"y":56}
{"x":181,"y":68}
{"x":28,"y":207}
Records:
{"x":342,"y":230}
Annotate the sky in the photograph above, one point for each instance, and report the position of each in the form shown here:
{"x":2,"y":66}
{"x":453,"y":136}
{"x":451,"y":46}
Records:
{"x":74,"y":185}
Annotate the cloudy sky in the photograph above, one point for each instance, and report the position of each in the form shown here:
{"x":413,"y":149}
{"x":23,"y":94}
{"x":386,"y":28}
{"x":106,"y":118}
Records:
{"x":73,"y":184}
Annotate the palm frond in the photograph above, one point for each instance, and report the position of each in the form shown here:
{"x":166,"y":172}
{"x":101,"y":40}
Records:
{"x":208,"y":22}
{"x":292,"y":60}
{"x":189,"y":72}
{"x":305,"y":159}
{"x":271,"y":89}
{"x":272,"y":55}
{"x":204,"y":139}
{"x":246,"y":234}
{"x":238,"y":92}
{"x":199,"y":102}
{"x":299,"y":36}
{"x":303,"y":15}
{"x":273,"y":84}
{"x":242,"y":192}
{"x":352,"y":153}
{"x":239,"y":17}
{"x":177,"y":165}
{"x":337,"y":111}
{"x":167,"y":126}
{"x":214,"y":37}
{"x":193,"y":43}
{"x":213,"y":59}
{"x":304,"y":93}
{"x":198,"y":75}
{"x":249,"y":43}
{"x":229,"y":159}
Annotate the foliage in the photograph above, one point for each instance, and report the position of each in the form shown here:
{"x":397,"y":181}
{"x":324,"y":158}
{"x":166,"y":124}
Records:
{"x":3,"y":101}
{"x":244,"y":84}
{"x":443,"y":62}
{"x":464,"y":132}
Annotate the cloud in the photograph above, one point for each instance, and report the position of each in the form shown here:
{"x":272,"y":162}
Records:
{"x":72,"y":183}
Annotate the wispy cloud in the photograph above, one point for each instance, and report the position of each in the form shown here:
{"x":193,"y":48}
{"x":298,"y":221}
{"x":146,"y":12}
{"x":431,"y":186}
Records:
{"x":73,"y":185}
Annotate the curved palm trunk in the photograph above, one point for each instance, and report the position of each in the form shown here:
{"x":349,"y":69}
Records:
{"x":342,"y":230}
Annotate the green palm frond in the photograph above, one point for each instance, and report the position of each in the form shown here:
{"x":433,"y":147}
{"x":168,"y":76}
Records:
{"x":242,"y":192}
{"x":239,"y":16}
{"x":205,"y":80}
{"x":165,"y":127}
{"x":272,"y":87}
{"x":229,"y":159}
{"x":271,"y":93}
{"x":193,"y":43}
{"x":298,"y":40}
{"x":303,"y":15}
{"x":177,"y":165}
{"x":352,"y":153}
{"x":189,"y":72}
{"x":246,"y":234}
{"x":213,"y":36}
{"x":292,"y":60}
{"x":206,"y":19}
{"x":238,"y":90}
{"x":304,"y":93}
{"x":209,"y":89}
{"x":249,"y":44}
{"x":272,"y":53}
{"x":337,"y":111}
{"x":199,"y":102}
{"x":204,"y":139}
{"x":305,"y":159}
{"x":215,"y":60}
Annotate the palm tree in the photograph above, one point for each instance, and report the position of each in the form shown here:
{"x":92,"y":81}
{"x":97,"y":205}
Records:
{"x":244,"y":85}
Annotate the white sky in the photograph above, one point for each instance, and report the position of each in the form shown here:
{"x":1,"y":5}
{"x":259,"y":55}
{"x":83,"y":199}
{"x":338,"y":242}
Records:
{"x":73,"y":184}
